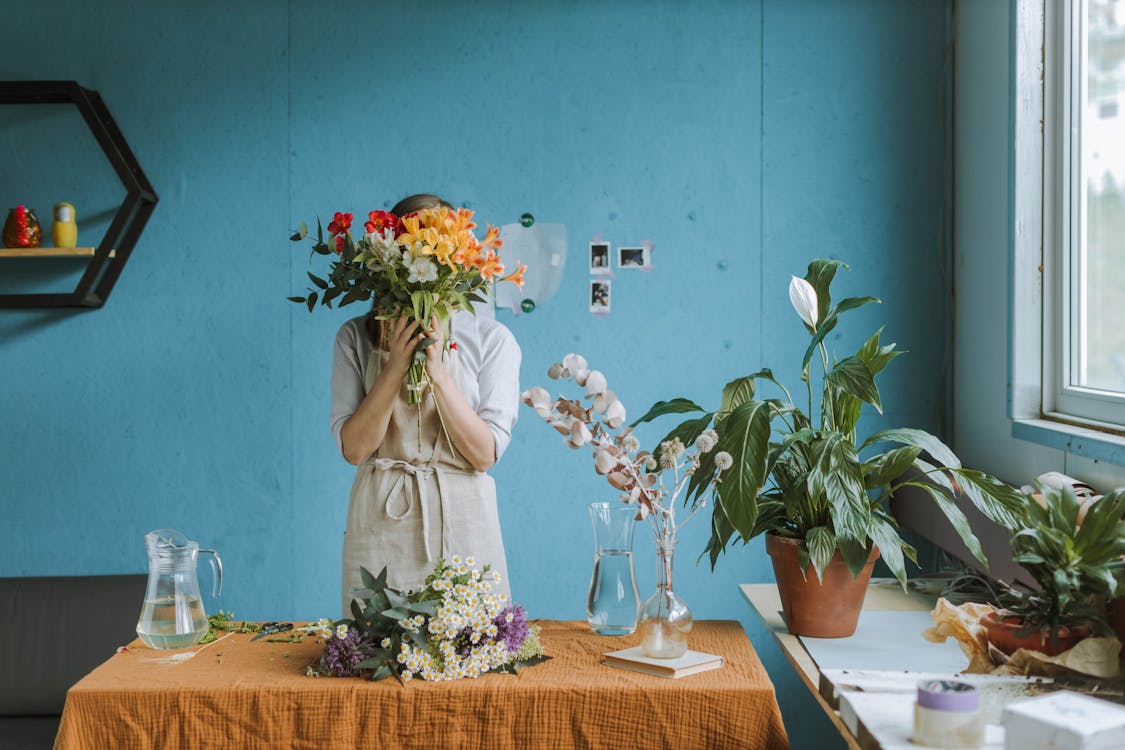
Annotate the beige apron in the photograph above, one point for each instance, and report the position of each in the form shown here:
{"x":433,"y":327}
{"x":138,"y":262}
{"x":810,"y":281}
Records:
{"x":411,"y":505}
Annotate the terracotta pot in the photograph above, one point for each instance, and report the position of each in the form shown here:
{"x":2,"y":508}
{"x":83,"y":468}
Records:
{"x":812,"y":608}
{"x":1116,"y":613}
{"x":1004,"y":633}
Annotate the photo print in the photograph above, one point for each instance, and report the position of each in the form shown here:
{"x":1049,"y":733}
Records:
{"x":632,"y":257}
{"x":599,"y":257}
{"x":599,"y":296}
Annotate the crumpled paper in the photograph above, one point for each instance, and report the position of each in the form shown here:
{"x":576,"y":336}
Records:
{"x":1097,"y":657}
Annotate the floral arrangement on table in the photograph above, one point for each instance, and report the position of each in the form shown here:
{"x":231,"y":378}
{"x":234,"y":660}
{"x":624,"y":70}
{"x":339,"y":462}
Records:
{"x":454,"y":627}
{"x":424,"y":265}
{"x":638,"y":474}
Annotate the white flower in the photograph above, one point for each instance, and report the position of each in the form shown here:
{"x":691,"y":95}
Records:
{"x":557,"y":371}
{"x":614,"y":414}
{"x":650,"y":463}
{"x":419,"y":269}
{"x":595,"y":383}
{"x":385,"y":643}
{"x":670,"y":450}
{"x":579,"y":434}
{"x":574,"y":363}
{"x":707,"y":441}
{"x":630,"y":444}
{"x":341,"y":630}
{"x":803,"y":297}
{"x":604,"y":462}
{"x":723,"y":461}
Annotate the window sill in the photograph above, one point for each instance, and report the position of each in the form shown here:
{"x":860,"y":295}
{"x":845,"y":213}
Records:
{"x":1082,"y":441}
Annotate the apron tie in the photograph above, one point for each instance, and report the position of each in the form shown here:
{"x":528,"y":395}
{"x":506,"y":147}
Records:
{"x":400,"y":500}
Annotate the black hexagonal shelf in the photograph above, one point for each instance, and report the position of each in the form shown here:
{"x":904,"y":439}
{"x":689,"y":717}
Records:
{"x":117,"y":245}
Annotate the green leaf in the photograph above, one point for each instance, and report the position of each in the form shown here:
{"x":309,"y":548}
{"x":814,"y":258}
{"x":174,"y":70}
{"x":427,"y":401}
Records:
{"x":675,"y":406}
{"x":823,"y":328}
{"x":297,"y":237}
{"x":999,"y":502}
{"x":822,"y":545}
{"x":297,"y":299}
{"x":956,"y":518}
{"x":820,"y":274}
{"x":874,"y":356}
{"x":735,"y":393}
{"x":852,"y":376}
{"x":889,"y":466}
{"x":318,"y":281}
{"x":920,"y":438}
{"x":311,"y":301}
{"x":851,"y":303}
{"x":890,"y":544}
{"x":745,"y":435}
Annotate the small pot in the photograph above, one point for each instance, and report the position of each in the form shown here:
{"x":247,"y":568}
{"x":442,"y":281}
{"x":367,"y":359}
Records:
{"x":1004,"y":632}
{"x":828,"y":609}
{"x":1116,"y":614}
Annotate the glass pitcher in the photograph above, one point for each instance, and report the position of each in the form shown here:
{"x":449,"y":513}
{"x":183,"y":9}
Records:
{"x":613,"y":601}
{"x":172,"y":615}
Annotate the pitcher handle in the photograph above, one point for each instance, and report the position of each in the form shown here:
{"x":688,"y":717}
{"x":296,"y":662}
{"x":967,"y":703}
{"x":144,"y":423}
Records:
{"x":216,"y":568}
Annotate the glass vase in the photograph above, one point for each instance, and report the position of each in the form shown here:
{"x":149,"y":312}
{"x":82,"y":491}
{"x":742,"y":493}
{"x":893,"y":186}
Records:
{"x":665,"y":618}
{"x":613,"y":600}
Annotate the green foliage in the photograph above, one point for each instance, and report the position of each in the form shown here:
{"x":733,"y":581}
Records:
{"x":796,"y":478}
{"x":1076,"y":566}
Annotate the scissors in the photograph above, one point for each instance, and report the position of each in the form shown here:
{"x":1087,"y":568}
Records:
{"x":269,"y":628}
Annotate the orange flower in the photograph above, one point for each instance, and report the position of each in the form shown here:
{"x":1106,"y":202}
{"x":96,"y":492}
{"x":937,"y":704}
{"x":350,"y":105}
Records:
{"x":492,"y":238}
{"x":340,"y":223}
{"x":516,"y":276}
{"x":489,"y":265}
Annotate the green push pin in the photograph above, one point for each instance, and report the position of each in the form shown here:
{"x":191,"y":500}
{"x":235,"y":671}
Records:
{"x":527,"y":220}
{"x":527,"y":305}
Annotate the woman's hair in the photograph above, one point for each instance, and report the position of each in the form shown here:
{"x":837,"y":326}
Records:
{"x":408,"y":205}
{"x":414,"y":203}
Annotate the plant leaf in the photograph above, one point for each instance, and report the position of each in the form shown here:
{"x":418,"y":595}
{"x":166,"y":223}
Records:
{"x":745,"y":434}
{"x":887,"y":467}
{"x":822,"y":545}
{"x":852,"y":376}
{"x":956,"y":518}
{"x":675,"y":406}
{"x":735,"y":393}
{"x":890,"y":544}
{"x":820,"y":274}
{"x":924,"y":440}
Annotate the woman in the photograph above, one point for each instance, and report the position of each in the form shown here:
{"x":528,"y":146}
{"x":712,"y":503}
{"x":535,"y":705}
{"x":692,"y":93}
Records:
{"x":419,"y":495}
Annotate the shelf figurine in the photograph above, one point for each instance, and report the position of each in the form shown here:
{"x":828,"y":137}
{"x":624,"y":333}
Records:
{"x":22,"y":228}
{"x":64,"y":231}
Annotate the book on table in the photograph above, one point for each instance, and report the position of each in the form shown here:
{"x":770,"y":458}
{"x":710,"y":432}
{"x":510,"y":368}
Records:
{"x":691,"y":662}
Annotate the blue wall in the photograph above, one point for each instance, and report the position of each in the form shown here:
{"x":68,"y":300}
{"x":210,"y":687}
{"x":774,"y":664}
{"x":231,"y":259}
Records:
{"x":742,"y":139}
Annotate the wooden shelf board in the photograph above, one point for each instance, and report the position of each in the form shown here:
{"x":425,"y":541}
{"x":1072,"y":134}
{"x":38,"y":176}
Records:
{"x":50,"y":252}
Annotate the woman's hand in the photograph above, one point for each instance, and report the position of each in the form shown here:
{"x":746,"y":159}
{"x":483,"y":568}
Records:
{"x":402,"y":343}
{"x":434,"y":362}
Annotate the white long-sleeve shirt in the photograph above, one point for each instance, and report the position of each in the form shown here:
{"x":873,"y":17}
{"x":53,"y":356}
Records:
{"x":490,"y":364}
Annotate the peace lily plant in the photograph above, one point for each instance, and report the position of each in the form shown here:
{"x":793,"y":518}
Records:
{"x":798,"y":473}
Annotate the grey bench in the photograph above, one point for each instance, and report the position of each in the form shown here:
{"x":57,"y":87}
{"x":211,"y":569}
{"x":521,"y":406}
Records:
{"x":54,"y":631}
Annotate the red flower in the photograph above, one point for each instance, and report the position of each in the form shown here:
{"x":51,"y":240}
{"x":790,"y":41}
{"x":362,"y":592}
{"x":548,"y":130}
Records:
{"x":339,"y":244}
{"x":380,"y":220}
{"x":340,"y":223}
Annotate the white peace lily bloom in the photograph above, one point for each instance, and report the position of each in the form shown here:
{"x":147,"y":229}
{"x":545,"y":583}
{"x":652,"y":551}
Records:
{"x":803,"y":297}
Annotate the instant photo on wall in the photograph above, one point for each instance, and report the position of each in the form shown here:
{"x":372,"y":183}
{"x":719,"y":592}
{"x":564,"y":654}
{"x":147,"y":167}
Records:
{"x":600,"y":257}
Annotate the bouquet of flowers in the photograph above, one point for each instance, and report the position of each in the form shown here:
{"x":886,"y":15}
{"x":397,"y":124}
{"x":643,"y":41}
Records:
{"x":639,"y":475}
{"x":453,"y":627}
{"x":424,"y":265}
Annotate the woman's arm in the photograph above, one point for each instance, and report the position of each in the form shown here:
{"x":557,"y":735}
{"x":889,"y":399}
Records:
{"x":364,"y":431}
{"x":470,"y":434}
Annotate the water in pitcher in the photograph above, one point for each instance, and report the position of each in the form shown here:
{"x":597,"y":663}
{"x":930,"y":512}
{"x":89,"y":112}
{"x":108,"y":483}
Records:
{"x":611,"y":606}
{"x":170,"y":622}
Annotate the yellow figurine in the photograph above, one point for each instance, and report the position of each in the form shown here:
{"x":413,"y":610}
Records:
{"x":64,"y":231}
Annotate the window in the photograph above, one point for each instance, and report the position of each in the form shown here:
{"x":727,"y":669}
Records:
{"x":1084,"y":213}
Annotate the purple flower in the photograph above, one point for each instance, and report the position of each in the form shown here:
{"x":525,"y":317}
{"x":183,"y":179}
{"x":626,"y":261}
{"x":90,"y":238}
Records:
{"x":341,"y":656}
{"x":512,"y":627}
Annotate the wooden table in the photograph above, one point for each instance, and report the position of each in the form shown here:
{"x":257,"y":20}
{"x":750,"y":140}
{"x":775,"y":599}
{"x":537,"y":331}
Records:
{"x":871,"y":701}
{"x":241,"y":694}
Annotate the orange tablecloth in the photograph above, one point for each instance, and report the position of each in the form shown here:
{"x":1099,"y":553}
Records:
{"x":237,"y":694}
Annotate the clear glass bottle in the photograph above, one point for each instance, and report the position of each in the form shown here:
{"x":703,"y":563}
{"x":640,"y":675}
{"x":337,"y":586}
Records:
{"x":613,"y":600}
{"x":665,"y":620}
